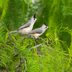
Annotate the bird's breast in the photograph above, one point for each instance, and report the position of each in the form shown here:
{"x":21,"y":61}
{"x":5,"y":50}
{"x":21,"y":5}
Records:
{"x":35,"y":35}
{"x":25,"y":30}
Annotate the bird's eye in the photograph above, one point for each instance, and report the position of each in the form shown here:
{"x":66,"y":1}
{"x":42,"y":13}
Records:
{"x":34,"y":18}
{"x":46,"y":27}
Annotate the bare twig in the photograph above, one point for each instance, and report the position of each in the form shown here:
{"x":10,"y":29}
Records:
{"x":48,"y":48}
{"x":36,"y":46}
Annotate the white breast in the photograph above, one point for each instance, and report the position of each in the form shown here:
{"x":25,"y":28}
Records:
{"x":36,"y":35}
{"x":25,"y":30}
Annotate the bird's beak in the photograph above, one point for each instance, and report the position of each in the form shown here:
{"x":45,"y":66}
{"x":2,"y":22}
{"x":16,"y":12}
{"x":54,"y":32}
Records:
{"x":35,"y":19}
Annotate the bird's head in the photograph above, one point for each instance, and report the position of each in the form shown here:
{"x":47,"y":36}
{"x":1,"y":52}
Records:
{"x":33,"y":19}
{"x":44,"y":26}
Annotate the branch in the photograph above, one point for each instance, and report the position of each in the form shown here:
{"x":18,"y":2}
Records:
{"x":36,"y":46}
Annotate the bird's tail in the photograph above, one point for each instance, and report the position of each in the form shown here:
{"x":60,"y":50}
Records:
{"x":13,"y":32}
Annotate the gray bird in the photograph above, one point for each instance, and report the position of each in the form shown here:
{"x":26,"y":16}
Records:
{"x":26,"y":28}
{"x":39,"y":31}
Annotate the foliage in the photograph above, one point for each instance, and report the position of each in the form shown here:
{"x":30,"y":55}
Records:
{"x":21,"y":53}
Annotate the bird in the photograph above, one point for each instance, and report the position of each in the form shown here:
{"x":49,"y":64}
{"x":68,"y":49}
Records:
{"x":38,"y":31}
{"x":26,"y":28}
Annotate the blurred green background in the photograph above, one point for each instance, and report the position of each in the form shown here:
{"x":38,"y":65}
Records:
{"x":19,"y":54}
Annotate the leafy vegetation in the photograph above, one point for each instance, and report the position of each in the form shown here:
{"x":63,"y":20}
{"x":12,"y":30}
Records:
{"x":52,"y":52}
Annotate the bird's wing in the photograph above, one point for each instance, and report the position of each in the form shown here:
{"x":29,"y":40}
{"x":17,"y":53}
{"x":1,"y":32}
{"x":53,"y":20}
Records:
{"x":25,"y":25}
{"x":36,"y":31}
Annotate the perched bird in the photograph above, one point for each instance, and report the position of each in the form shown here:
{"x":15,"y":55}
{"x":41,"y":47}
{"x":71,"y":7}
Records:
{"x":26,"y":28}
{"x":38,"y":32}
